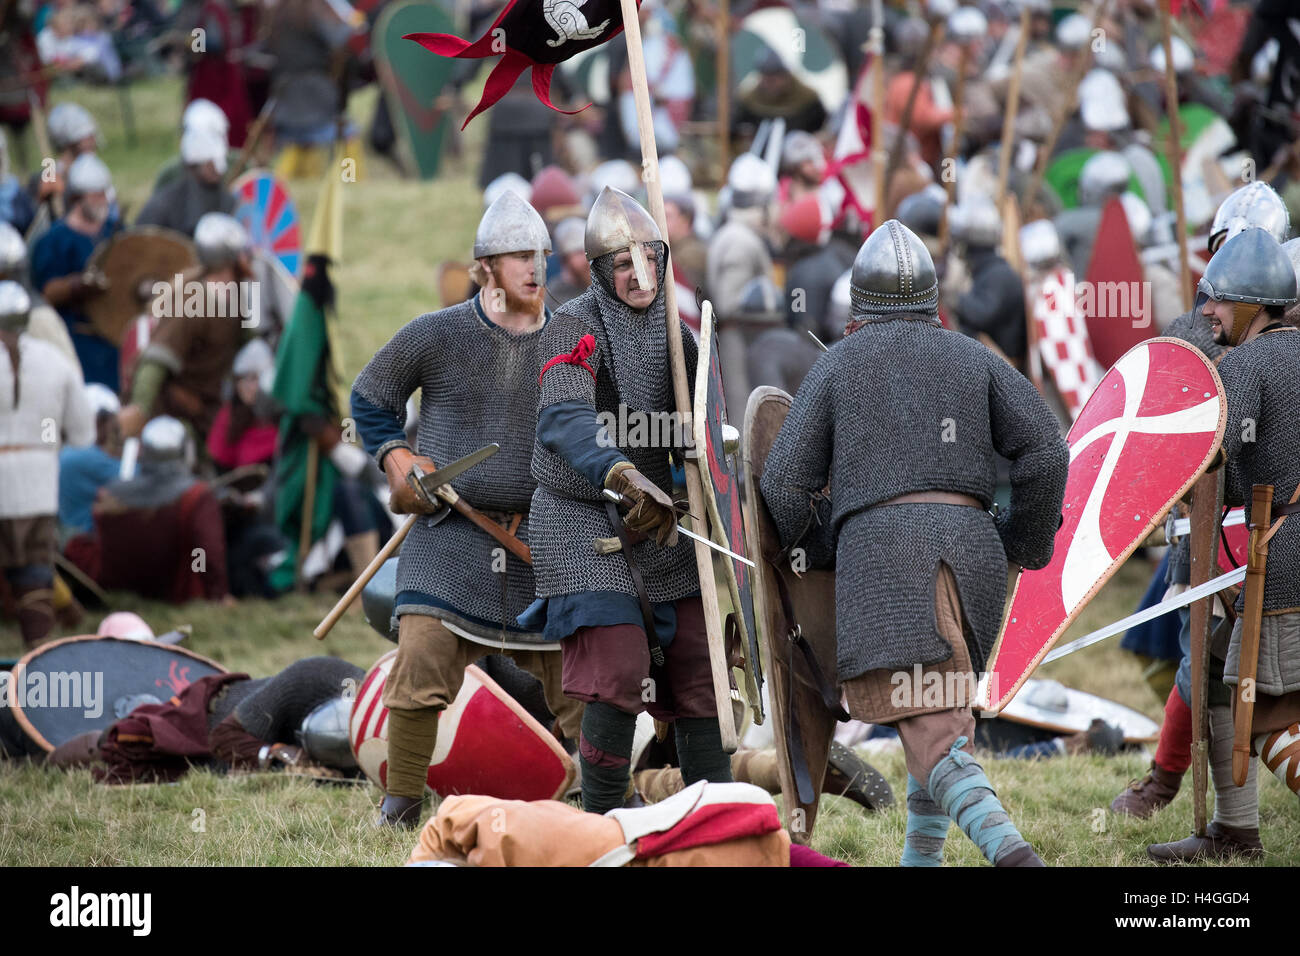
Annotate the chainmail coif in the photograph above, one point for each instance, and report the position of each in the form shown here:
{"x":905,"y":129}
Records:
{"x":631,"y":368}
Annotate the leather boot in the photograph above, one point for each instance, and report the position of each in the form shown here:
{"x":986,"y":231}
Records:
{"x":1152,"y":793}
{"x":1219,"y":843}
{"x":400,"y":812}
{"x":1024,"y":856}
{"x":35,"y":616}
{"x":848,"y":775}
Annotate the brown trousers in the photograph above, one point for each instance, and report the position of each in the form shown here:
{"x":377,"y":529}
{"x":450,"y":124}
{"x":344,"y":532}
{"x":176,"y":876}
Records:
{"x":430,"y":669}
{"x":927,"y":729}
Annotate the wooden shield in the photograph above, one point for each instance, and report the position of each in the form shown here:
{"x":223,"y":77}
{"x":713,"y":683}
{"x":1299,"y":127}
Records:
{"x":412,"y":80}
{"x":1146,"y":434}
{"x":487,"y":742}
{"x":1116,"y":302}
{"x":1062,"y":339}
{"x":812,"y":596}
{"x":144,"y":254}
{"x":723,"y":499}
{"x":267,"y":211}
{"x":73,"y":685}
{"x":1064,"y":710}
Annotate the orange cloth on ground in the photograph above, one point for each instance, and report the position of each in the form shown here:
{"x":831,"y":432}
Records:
{"x":485,"y":831}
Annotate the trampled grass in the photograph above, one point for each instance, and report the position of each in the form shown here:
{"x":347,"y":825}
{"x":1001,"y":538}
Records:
{"x":396,"y":233}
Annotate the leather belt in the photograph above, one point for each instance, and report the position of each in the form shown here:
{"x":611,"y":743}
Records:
{"x":933,"y":498}
{"x":5,"y":448}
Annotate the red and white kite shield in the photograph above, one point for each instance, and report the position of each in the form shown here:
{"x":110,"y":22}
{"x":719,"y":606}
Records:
{"x":487,"y":743}
{"x":1144,"y":437}
{"x":1115,"y":301}
{"x":1063,"y":345}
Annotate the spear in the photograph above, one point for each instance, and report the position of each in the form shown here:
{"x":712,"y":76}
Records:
{"x":681,"y":393}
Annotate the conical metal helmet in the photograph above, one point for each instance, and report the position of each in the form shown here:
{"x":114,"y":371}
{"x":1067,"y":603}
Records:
{"x":1251,"y":267}
{"x":13,"y":251}
{"x":1254,"y":205}
{"x":976,"y":221}
{"x":617,"y":222}
{"x":1105,"y":174}
{"x":15,"y":307}
{"x":893,"y":272}
{"x":511,"y":224}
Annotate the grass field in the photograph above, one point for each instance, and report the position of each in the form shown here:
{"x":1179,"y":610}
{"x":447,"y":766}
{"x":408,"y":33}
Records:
{"x":396,"y":233}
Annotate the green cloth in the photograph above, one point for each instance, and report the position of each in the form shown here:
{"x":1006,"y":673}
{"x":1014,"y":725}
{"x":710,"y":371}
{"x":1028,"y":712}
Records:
{"x":303,"y":389}
{"x":1062,"y":176}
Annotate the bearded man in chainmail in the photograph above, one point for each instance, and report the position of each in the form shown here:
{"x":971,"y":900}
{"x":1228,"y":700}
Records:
{"x":1253,"y":206}
{"x":476,"y":364}
{"x":631,"y":622}
{"x":1247,"y":290}
{"x":902,"y":419}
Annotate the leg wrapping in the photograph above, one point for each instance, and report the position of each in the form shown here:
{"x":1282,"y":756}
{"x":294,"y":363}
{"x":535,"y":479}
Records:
{"x":699,"y":750}
{"x":959,"y":785}
{"x":1280,"y":752}
{"x":927,"y":827}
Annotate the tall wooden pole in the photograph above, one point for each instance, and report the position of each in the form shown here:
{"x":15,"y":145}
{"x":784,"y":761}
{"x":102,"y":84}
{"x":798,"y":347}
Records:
{"x":1013,"y":107}
{"x":918,"y":77}
{"x":876,"y":47}
{"x":1207,"y":494}
{"x":681,"y":391}
{"x":723,"y":79}
{"x":958,"y":128}
{"x":1067,"y":107}
{"x":1174,"y":150}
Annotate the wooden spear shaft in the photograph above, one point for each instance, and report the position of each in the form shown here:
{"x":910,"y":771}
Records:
{"x":876,"y":42}
{"x":1206,"y":496}
{"x":958,"y":127}
{"x":723,"y":80}
{"x":918,"y":75}
{"x":681,"y":391}
{"x":1067,"y":107}
{"x":1013,"y":107}
{"x":1174,"y":150}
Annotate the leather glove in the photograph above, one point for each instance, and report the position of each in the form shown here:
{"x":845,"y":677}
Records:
{"x":405,"y":499}
{"x":651,"y":511}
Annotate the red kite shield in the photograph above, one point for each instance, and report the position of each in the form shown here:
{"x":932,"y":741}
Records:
{"x":1063,"y":346}
{"x":722,"y":496}
{"x":1115,"y":300}
{"x":487,"y":742}
{"x":1146,"y":434}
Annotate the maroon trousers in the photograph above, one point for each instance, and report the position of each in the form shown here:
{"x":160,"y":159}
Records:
{"x":612,"y":664}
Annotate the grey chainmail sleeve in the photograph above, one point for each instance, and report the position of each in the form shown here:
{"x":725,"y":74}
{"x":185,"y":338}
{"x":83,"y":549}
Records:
{"x":1026,"y":432}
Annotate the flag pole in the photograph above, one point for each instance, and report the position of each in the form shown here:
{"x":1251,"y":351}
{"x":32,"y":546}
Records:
{"x":681,"y":391}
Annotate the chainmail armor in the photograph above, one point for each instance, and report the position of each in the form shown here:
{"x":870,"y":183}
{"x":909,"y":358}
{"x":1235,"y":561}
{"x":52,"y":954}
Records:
{"x":279,"y":704}
{"x":632,"y":368}
{"x":478,"y":385}
{"x":1194,"y":329}
{"x":872,"y":417}
{"x":1262,"y":379}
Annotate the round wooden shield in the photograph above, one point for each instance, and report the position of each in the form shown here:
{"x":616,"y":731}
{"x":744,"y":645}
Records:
{"x":144,"y":254}
{"x":267,"y":211}
{"x":78,"y":684}
{"x":1051,"y":706}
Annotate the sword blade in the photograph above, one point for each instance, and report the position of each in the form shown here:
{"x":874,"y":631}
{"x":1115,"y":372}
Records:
{"x":820,"y":344}
{"x":1212,"y":586}
{"x":432,"y":480}
{"x":1183,"y":526}
{"x":615,"y":496}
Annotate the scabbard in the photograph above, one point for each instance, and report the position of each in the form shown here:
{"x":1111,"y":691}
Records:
{"x":511,"y":543}
{"x":1261,"y":516}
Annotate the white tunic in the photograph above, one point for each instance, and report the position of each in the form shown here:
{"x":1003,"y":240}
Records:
{"x":51,"y":410}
